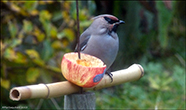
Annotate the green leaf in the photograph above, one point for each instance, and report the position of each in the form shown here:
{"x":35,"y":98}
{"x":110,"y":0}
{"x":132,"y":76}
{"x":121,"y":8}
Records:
{"x":45,"y":17}
{"x":47,"y":51}
{"x":33,"y":54}
{"x":56,"y":69}
{"x":39,"y":62}
{"x":17,"y":57}
{"x":10,"y":54}
{"x":179,"y":72}
{"x":27,"y":26}
{"x":167,"y":82}
{"x":31,"y":5}
{"x":46,"y":76}
{"x":60,"y":35}
{"x":57,"y":16}
{"x":15,"y":42}
{"x":13,"y":29}
{"x":32,"y":74}
{"x":153,"y":83}
{"x":85,"y":23}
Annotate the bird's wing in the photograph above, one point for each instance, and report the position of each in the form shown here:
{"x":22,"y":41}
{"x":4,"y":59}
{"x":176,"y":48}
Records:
{"x":83,"y":40}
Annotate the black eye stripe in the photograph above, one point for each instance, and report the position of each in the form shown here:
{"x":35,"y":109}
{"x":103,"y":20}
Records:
{"x":110,"y":20}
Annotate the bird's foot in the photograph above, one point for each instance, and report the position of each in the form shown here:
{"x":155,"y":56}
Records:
{"x":110,"y":75}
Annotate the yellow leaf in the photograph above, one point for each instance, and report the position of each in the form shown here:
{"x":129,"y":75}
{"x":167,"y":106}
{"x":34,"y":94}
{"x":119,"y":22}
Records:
{"x":33,"y":54}
{"x":17,"y":57}
{"x":53,"y":32}
{"x":32,"y":74}
{"x":42,"y":2}
{"x":65,"y":42}
{"x":67,"y":5}
{"x":56,"y":45}
{"x":2,"y":46}
{"x":20,"y":58}
{"x":10,"y":54}
{"x":39,"y":62}
{"x":14,"y":7}
{"x":65,"y":15}
{"x":24,"y":13}
{"x":45,"y":15}
{"x":69,"y":34}
{"x":5,"y":83}
{"x":83,"y":14}
{"x":34,"y":12}
{"x":39,"y":35}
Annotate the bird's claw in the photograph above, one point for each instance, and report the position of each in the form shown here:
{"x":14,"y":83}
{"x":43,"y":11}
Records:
{"x":110,"y":75}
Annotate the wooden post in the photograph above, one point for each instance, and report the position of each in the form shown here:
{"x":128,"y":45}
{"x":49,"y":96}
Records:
{"x":78,"y":101}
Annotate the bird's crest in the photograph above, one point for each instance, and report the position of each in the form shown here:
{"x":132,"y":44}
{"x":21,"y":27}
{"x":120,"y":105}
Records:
{"x":106,"y":15}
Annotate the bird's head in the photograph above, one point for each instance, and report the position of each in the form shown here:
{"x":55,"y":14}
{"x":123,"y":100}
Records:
{"x":107,"y":22}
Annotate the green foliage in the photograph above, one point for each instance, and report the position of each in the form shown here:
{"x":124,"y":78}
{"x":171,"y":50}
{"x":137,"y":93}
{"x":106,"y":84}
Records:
{"x":159,"y":88}
{"x":36,"y":34}
{"x":160,"y":49}
{"x":32,"y":74}
{"x":164,"y":18}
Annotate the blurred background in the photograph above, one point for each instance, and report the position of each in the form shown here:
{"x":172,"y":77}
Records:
{"x":36,"y":34}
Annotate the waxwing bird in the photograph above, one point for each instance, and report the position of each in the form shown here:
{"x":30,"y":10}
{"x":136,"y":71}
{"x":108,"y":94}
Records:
{"x":101,"y":40}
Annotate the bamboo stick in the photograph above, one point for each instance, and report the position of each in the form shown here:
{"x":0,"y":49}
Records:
{"x":57,"y":89}
{"x":132,"y":73}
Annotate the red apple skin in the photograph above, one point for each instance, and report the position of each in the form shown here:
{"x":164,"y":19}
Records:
{"x":81,"y":75}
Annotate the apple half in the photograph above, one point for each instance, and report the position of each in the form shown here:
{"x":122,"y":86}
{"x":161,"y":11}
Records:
{"x":85,"y":72}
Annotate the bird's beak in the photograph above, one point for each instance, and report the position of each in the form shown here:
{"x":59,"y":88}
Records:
{"x":115,"y":25}
{"x":121,"y":22}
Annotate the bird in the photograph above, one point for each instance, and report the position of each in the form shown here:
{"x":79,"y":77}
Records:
{"x":101,"y":40}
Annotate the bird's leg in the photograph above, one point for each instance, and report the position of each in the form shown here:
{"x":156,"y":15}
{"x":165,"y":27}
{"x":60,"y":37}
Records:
{"x":110,"y":75}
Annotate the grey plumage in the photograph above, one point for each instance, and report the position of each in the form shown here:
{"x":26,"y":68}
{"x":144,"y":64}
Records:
{"x":100,"y":38}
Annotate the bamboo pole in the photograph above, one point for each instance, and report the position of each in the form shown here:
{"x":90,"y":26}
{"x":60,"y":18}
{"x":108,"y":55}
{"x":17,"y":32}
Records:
{"x":58,"y":89}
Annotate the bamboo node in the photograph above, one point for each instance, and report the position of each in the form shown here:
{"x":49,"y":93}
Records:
{"x":48,"y":93}
{"x":141,"y":69}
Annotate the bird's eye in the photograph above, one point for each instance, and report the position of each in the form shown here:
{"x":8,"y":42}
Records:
{"x":110,"y":21}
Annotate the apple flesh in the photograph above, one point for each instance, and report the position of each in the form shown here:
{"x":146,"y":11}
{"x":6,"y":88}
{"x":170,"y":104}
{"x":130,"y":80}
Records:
{"x":85,"y":72}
